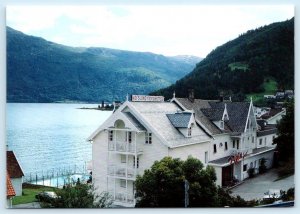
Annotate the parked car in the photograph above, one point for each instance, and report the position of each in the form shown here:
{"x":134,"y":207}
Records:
{"x":46,"y":196}
{"x":272,"y":194}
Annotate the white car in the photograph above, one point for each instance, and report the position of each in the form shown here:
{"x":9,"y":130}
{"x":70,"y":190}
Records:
{"x":272,"y":193}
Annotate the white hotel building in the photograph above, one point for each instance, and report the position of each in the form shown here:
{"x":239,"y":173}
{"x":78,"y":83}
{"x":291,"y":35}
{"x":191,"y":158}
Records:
{"x":141,"y":132}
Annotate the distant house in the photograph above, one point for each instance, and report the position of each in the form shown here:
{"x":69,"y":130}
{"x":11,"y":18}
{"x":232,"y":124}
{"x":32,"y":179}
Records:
{"x":279,"y":95}
{"x":15,"y":172}
{"x":273,"y":115}
{"x":10,"y":192}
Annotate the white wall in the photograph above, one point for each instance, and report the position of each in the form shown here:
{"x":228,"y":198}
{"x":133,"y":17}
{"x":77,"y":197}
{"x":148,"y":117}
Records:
{"x":269,"y":162}
{"x":221,"y":152}
{"x":267,"y":140}
{"x":151,"y":152}
{"x":100,"y":154}
{"x":9,"y":203}
{"x":195,"y":150}
{"x":17,"y":184}
{"x":218,"y":171}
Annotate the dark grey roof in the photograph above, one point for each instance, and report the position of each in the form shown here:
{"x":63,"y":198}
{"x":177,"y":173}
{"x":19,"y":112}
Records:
{"x":267,"y":130}
{"x":221,"y":161}
{"x":214,"y":114}
{"x":207,"y":111}
{"x":134,"y":121}
{"x":237,"y":113}
{"x":180,"y":120}
{"x":196,"y":106}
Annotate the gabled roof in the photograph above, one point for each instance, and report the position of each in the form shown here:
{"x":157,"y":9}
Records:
{"x":199,"y":115}
{"x":207,"y":111}
{"x":12,"y":165}
{"x":154,"y":114}
{"x":134,"y":121}
{"x":180,"y":120}
{"x":10,"y":192}
{"x":272,"y":113}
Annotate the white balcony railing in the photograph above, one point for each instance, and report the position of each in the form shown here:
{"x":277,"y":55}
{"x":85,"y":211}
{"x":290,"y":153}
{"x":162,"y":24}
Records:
{"x":123,"y":197}
{"x":121,"y":171}
{"x":123,"y":146}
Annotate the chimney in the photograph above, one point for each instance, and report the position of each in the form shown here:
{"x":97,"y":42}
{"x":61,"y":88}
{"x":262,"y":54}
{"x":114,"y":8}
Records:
{"x":221,"y":96}
{"x":191,"y":95}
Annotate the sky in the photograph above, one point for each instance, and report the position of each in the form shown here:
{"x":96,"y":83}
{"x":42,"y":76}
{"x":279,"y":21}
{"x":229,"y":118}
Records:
{"x":168,"y":30}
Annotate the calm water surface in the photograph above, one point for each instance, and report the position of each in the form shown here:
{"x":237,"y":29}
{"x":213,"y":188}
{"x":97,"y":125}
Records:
{"x":51,"y":136}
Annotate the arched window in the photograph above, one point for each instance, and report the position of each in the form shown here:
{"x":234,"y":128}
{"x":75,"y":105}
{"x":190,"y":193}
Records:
{"x":119,"y":124}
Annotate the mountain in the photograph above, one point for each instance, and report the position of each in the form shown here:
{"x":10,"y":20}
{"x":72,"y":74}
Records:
{"x":258,"y":61}
{"x":187,"y":58}
{"x":43,"y":71}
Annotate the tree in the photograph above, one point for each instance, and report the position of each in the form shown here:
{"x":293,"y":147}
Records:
{"x":79,"y":196}
{"x":163,"y":186}
{"x":286,"y":135}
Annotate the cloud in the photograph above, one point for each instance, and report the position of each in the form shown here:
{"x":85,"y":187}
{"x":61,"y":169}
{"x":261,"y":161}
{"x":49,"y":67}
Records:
{"x":169,"y":30}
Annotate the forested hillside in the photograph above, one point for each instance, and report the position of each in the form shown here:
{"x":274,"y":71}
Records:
{"x":43,"y":71}
{"x":256,"y":60}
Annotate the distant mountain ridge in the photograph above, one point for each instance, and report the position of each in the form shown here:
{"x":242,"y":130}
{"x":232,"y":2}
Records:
{"x":42,"y":71}
{"x":256,"y":60}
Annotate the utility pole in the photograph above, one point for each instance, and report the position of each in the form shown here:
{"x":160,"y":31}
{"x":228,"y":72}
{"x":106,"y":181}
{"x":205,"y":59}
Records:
{"x":186,"y":194}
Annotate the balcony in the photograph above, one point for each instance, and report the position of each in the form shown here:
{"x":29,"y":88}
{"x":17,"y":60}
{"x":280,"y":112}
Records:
{"x":123,"y":147}
{"x":120,"y":171}
{"x":123,"y":197}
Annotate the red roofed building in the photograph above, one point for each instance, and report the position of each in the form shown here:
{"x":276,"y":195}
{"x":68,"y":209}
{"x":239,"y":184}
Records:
{"x":15,"y":172}
{"x":10,"y":192}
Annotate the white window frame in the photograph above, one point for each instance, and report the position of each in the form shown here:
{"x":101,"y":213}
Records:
{"x":123,"y":183}
{"x":123,"y":158}
{"x":206,"y":157}
{"x":148,"y":138}
{"x":111,"y":135}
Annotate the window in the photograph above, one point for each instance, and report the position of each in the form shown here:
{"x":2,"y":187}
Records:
{"x":222,"y":124}
{"x":123,"y":183}
{"x":238,"y":144}
{"x":255,"y":163}
{"x":226,"y":146}
{"x":206,"y":157}
{"x":245,"y":167}
{"x":129,"y":137}
{"x":123,"y":158}
{"x":233,"y":144}
{"x":265,"y":141}
{"x":260,"y":141}
{"x":148,"y":138}
{"x":215,"y":148}
{"x":110,"y":135}
{"x":137,"y":162}
{"x":190,"y":131}
{"x":252,"y":139}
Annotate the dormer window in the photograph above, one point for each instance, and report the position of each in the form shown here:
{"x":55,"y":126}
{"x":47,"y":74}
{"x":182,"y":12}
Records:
{"x":189,"y":134}
{"x":222,"y":124}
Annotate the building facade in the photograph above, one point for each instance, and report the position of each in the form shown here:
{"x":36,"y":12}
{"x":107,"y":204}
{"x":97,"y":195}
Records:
{"x":141,"y":132}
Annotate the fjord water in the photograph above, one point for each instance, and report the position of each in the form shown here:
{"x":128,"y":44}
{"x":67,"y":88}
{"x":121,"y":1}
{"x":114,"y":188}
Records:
{"x":48,"y":136}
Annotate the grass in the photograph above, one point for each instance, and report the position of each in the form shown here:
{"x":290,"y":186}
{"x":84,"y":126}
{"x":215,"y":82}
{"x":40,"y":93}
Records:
{"x":269,"y":86}
{"x":29,"y":192}
{"x":238,"y":65}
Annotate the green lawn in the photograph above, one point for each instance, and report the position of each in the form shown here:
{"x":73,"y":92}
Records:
{"x":29,"y":192}
{"x":270,"y":87}
{"x":238,"y":65}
